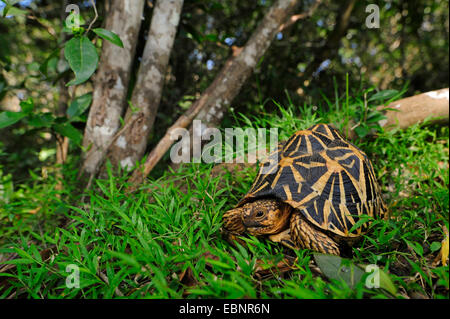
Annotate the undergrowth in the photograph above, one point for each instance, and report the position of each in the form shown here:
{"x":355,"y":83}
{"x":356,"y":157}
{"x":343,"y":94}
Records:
{"x":164,"y":241}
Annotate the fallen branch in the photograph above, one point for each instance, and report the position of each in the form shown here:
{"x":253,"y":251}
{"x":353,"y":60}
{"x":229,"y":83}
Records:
{"x":417,"y":108}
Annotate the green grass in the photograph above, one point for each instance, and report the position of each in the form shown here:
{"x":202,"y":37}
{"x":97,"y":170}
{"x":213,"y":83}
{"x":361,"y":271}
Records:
{"x":166,"y":243}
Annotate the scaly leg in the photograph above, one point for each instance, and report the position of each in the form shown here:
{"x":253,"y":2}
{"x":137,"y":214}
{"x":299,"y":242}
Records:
{"x":284,"y":238}
{"x":307,"y":236}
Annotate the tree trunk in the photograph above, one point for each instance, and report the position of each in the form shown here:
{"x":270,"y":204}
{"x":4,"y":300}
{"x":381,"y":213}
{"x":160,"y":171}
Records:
{"x":209,"y":108}
{"x":111,"y":82}
{"x":130,"y":145}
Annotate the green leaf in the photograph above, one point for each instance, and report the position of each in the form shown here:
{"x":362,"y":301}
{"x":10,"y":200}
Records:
{"x":27,"y":106}
{"x":218,"y":263}
{"x":79,"y":105}
{"x":45,"y":65}
{"x":8,"y":118}
{"x":74,"y":20}
{"x":126,"y":258}
{"x":211,"y":37}
{"x":82,"y":57}
{"x":335,"y":267}
{"x":386,"y":283}
{"x":375,"y":117}
{"x":435,"y":246}
{"x":66,"y":129}
{"x":18,"y":261}
{"x":361,"y":130}
{"x":109,"y":35}
{"x":383,"y":95}
{"x":41,"y":120}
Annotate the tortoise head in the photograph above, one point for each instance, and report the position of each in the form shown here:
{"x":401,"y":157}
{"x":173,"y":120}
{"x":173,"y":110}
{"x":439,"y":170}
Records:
{"x":261,"y":217}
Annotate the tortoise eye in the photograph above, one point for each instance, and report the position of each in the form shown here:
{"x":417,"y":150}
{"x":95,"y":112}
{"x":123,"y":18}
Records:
{"x":259,"y":214}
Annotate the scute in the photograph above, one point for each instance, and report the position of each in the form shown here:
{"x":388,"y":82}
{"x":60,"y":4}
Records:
{"x":325,"y":177}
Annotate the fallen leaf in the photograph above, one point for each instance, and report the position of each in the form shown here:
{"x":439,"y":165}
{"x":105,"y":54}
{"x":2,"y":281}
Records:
{"x":444,"y":248}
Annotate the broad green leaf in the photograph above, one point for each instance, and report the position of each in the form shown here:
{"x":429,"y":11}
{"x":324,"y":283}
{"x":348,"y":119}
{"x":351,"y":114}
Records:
{"x":8,"y":118}
{"x":335,"y":267}
{"x":435,"y":246}
{"x":109,"y":35}
{"x":82,"y":57}
{"x":66,"y":129}
{"x":79,"y":105}
{"x":383,"y":95}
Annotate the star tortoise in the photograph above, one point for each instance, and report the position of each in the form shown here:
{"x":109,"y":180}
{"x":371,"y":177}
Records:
{"x":309,"y":193}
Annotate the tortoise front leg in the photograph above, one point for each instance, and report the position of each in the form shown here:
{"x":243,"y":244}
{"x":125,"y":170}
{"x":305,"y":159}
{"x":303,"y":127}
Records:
{"x":307,"y":236}
{"x":284,"y":238}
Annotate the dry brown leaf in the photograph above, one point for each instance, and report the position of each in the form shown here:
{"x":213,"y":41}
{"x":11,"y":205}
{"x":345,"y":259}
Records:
{"x":444,"y":247}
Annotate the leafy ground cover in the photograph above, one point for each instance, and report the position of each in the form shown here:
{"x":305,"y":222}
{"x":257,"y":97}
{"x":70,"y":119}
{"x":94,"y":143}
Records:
{"x":164,"y":241}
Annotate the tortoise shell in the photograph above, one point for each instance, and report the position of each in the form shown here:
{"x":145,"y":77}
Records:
{"x":327,"y":179}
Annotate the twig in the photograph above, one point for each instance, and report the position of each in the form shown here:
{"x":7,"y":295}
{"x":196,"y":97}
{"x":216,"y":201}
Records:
{"x":49,"y":29}
{"x":300,"y":16}
{"x":105,"y":279}
{"x":95,"y":18}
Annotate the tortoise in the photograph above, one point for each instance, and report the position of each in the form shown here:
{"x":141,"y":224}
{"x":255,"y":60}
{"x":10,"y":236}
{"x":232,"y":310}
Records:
{"x":309,"y":193}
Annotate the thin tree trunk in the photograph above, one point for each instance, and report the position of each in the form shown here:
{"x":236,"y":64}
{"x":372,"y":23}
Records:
{"x":218,"y":96}
{"x":130,"y":146}
{"x":111,"y":82}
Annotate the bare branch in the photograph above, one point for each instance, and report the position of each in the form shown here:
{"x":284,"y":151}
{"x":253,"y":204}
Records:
{"x":296,"y":17}
{"x":95,"y":18}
